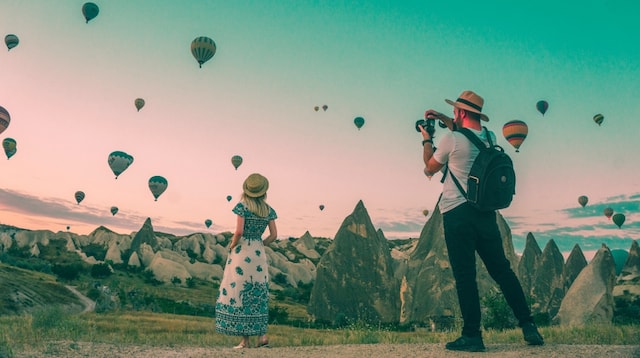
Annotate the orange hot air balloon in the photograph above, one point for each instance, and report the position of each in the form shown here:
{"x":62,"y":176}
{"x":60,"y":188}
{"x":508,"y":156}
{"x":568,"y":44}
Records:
{"x":515,"y":133}
{"x":583,"y":200}
{"x":608,"y":212}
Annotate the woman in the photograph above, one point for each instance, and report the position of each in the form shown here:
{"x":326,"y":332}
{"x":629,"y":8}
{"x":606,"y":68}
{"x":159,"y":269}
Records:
{"x":242,"y":308}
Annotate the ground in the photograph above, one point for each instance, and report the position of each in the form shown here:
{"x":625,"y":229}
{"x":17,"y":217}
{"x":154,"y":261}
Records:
{"x":82,"y":349}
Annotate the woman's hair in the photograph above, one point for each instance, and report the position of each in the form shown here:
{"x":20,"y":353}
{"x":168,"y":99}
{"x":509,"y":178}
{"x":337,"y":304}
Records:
{"x":258,"y":205}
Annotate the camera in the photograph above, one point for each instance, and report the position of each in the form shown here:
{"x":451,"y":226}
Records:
{"x":428,"y":125}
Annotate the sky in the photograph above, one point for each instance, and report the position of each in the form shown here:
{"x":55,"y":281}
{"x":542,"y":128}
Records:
{"x":70,"y":87}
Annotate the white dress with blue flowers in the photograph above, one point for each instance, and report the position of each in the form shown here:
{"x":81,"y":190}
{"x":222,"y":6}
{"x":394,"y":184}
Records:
{"x":242,"y":308}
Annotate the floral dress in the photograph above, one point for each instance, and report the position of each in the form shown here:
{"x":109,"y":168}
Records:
{"x":242,"y":308}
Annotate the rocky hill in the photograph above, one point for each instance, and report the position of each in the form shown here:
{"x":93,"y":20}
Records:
{"x":359,"y":275}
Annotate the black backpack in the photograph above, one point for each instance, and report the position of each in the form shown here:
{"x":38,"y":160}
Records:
{"x":492,"y":180}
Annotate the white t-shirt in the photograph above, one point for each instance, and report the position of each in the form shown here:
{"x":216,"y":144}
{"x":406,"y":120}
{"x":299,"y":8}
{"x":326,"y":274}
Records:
{"x":458,"y":151}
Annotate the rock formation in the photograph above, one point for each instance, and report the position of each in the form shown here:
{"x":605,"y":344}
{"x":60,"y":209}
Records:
{"x":354,"y":280}
{"x":547,"y":289}
{"x":590,"y":298}
{"x":528,"y":263}
{"x":574,"y":265}
{"x":628,"y":282}
{"x":428,"y":288}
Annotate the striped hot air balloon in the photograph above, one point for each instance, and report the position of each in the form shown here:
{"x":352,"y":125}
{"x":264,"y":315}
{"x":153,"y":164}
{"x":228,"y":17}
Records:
{"x":5,"y":119}
{"x":157,"y":185}
{"x":598,"y":118}
{"x":11,"y":41}
{"x":203,"y":49}
{"x":139,"y":102}
{"x":236,"y":160}
{"x":515,"y":133}
{"x":9,"y":146}
{"x":79,"y":195}
{"x":119,"y":161}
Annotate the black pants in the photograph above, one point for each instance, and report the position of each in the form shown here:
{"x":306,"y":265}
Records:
{"x":467,"y":230}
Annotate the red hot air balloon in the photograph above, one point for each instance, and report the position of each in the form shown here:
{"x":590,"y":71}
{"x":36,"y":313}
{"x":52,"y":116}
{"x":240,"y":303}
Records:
{"x":515,"y":133}
{"x":542,"y":106}
{"x":608,"y":212}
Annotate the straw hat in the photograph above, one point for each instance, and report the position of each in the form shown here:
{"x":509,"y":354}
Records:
{"x":255,"y":185}
{"x":469,"y":101}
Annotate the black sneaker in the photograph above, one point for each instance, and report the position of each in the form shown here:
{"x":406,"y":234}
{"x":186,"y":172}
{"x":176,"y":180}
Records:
{"x":467,"y":344}
{"x":531,"y":334}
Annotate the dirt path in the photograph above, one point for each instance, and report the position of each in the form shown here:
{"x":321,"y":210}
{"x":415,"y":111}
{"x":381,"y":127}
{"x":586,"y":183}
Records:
{"x":82,"y":349}
{"x":89,"y":305}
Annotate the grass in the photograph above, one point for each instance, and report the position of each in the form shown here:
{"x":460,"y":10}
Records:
{"x":41,"y":327}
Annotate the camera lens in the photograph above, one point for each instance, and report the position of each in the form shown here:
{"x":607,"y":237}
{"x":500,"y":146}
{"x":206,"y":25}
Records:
{"x":420,"y":123}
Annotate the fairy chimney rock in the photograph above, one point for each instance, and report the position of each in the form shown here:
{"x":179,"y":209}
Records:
{"x":529,"y":263}
{"x":590,"y":298}
{"x":354,"y":278}
{"x":574,"y":265}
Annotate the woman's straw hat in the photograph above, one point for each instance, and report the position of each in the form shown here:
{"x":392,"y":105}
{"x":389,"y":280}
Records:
{"x":255,"y":185}
{"x":469,"y":101}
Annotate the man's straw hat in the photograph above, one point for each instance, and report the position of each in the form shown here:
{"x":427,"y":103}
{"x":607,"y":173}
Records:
{"x":469,"y":101}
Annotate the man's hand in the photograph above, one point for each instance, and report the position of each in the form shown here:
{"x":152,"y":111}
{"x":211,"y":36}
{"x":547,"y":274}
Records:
{"x":430,"y":113}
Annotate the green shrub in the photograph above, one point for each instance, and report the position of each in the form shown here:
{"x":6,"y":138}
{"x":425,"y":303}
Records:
{"x":100,"y":271}
{"x":496,"y":312}
{"x":67,"y":271}
{"x":278,"y":315}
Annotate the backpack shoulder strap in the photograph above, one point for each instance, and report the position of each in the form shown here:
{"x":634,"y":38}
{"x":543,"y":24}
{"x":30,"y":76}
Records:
{"x":474,"y":138}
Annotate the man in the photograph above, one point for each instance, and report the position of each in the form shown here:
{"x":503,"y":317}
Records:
{"x":467,"y":230}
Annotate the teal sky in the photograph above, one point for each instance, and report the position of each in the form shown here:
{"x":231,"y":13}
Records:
{"x":70,"y":88}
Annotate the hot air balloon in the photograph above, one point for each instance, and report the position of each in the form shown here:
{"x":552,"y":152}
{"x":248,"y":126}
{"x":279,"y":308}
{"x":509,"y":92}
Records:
{"x":608,"y":212}
{"x":236,"y":160}
{"x":425,"y":212}
{"x":316,"y":108}
{"x":9,"y":145}
{"x":321,"y":207}
{"x":542,"y":106}
{"x":90,"y":11}
{"x":582,"y":200}
{"x":11,"y":41}
{"x":203,"y":49}
{"x":114,"y":210}
{"x":157,"y":185}
{"x":208,"y":223}
{"x":68,"y":227}
{"x":5,"y":119}
{"x":139,"y":102}
{"x":119,"y":161}
{"x":598,"y":118}
{"x":618,"y":219}
{"x":79,"y":195}
{"x":229,"y":198}
{"x":515,"y":133}
{"x":325,"y":107}
{"x":359,"y":122}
